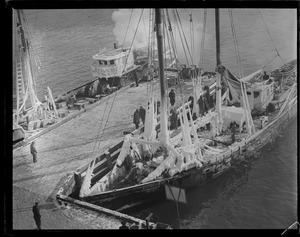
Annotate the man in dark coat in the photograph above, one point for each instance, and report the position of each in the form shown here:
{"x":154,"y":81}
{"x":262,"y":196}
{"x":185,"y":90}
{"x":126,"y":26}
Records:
{"x":265,"y":76}
{"x":191,"y":98}
{"x":173,"y":119}
{"x":207,"y":98}
{"x":233,"y":131}
{"x":201,"y":105}
{"x":142,"y":113}
{"x":37,"y":215}
{"x":136,"y":118}
{"x":172,"y":97}
{"x":33,"y":151}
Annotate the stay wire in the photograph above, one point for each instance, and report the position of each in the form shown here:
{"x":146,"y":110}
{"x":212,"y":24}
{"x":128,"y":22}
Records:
{"x":201,"y":64}
{"x":179,"y":83}
{"x":184,"y":36}
{"x":165,"y":54}
{"x":185,"y":54}
{"x":239,"y":62}
{"x":270,"y":36}
{"x":127,"y":27}
{"x":122,"y":73}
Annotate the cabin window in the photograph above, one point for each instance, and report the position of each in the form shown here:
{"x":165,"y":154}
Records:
{"x":105,"y":62}
{"x":248,"y":93}
{"x":100,"y":62}
{"x":112,"y":62}
{"x":256,"y":94}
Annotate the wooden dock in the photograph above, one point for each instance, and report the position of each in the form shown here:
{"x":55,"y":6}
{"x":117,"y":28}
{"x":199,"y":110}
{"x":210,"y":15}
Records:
{"x":65,"y":148}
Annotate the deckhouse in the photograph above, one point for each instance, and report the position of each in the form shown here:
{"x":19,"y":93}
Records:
{"x":113,"y":63}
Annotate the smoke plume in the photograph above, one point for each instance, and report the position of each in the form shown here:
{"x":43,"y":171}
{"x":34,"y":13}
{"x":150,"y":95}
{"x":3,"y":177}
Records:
{"x":124,"y":31}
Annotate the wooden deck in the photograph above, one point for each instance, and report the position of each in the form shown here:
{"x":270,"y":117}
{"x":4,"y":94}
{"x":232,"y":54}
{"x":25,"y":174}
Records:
{"x":73,"y":144}
{"x":66,"y":146}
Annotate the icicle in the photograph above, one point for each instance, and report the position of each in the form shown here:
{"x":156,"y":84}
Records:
{"x":51,"y":100}
{"x":85,"y":188}
{"x":124,"y":152}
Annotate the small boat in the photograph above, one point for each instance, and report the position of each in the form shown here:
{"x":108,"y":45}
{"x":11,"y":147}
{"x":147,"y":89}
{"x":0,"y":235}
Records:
{"x":18,"y":133}
{"x":248,"y":114}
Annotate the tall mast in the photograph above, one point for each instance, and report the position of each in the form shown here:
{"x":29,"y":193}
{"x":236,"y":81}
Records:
{"x":23,"y":40}
{"x":25,"y":55}
{"x":217,"y":22}
{"x":163,"y":114}
{"x":219,"y":70}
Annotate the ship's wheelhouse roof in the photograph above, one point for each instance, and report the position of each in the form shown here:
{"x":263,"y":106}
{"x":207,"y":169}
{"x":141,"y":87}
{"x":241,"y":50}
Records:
{"x":111,"y":54}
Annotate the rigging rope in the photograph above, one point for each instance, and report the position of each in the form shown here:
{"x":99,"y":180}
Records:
{"x":175,"y":52}
{"x":201,"y":63}
{"x":29,"y":48}
{"x":270,"y":61}
{"x":192,"y":37}
{"x":184,"y":35}
{"x":165,"y":50}
{"x":149,"y":49}
{"x":235,"y":42}
{"x":270,"y":36}
{"x":181,"y":38}
{"x":114,"y":78}
{"x":127,"y":27}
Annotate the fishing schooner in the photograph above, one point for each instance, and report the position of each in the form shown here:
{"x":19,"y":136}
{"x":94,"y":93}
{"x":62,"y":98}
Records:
{"x":249,"y":112}
{"x":111,"y":69}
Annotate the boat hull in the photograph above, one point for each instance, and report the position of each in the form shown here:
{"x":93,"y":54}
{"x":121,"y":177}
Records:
{"x":18,"y":135}
{"x":282,"y":73}
{"x":196,"y":176}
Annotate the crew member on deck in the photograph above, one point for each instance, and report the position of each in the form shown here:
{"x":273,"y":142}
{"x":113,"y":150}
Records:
{"x":172,"y":97}
{"x":265,"y":76}
{"x":233,"y":131}
{"x":173,"y":119}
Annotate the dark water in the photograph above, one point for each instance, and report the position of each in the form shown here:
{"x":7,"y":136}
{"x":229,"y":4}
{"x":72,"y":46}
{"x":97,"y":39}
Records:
{"x":261,"y":192}
{"x":258,"y":193}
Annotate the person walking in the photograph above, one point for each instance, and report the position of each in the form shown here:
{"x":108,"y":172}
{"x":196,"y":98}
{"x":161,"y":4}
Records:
{"x":33,"y":151}
{"x":142,"y":113}
{"x":136,"y":118}
{"x":37,"y":215}
{"x":172,"y":97}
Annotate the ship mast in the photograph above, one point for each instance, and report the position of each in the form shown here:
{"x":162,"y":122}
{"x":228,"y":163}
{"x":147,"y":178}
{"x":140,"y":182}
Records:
{"x":163,"y":114}
{"x":25,"y":58}
{"x":219,"y":70}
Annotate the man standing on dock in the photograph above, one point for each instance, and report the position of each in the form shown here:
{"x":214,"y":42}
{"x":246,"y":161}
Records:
{"x":37,"y":215}
{"x":136,"y":118}
{"x":33,"y":151}
{"x":142,"y":112}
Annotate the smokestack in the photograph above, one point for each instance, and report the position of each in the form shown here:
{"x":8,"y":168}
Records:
{"x":115,"y":45}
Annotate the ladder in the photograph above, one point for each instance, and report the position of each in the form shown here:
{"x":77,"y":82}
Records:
{"x":20,"y":83}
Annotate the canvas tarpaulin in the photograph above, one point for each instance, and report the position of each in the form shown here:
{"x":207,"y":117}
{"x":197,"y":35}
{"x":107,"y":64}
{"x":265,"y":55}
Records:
{"x":234,"y":84}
